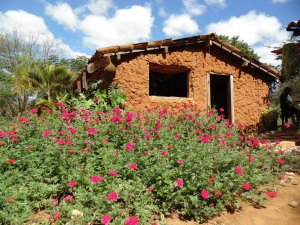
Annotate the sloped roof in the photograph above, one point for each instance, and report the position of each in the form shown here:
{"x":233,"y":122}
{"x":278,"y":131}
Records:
{"x":211,"y":39}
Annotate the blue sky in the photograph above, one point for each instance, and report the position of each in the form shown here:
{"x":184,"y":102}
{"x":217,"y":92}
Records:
{"x":81,"y":27}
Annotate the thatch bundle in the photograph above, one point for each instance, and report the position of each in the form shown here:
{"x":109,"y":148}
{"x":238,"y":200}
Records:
{"x":110,"y":68}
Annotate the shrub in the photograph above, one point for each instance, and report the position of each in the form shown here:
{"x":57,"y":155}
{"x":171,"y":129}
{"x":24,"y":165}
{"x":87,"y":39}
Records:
{"x":126,"y":167}
{"x":270,"y":118}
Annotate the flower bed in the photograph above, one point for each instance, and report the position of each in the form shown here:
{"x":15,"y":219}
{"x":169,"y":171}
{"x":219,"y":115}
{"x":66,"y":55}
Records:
{"x":122,"y":167}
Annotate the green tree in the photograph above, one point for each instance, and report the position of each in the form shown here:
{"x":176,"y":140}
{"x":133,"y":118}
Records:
{"x":50,"y":80}
{"x":78,"y":63}
{"x":17,"y":53}
{"x":239,"y":44}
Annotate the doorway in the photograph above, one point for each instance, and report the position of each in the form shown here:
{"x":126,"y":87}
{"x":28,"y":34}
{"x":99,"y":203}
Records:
{"x":221,"y":94}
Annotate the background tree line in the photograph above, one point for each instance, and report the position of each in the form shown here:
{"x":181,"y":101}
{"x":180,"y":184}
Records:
{"x":32,"y":67}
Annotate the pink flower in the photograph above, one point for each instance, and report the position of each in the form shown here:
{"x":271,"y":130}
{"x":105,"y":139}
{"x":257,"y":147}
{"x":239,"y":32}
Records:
{"x":14,"y":139}
{"x":280,"y":161}
{"x":218,"y":192}
{"x":199,"y":131}
{"x":132,"y":220}
{"x":246,"y":186}
{"x":286,"y":125}
{"x":176,"y":136}
{"x":68,"y":198}
{"x":179,"y":183}
{"x":113,"y":173}
{"x":162,"y":112}
{"x":239,"y":170}
{"x":92,"y":131}
{"x":23,"y":120}
{"x":281,"y":152}
{"x":205,"y":138}
{"x":150,"y":188}
{"x":133,"y":166}
{"x":158,"y":125}
{"x":180,"y":161}
{"x":221,"y":109}
{"x":46,"y":134}
{"x":72,"y":183}
{"x":105,"y":219}
{"x":205,"y":194}
{"x":72,"y":130}
{"x":29,"y":147}
{"x":59,"y":104}
{"x":148,"y":136}
{"x":112,"y":196}
{"x":71,"y":151}
{"x":33,"y":110}
{"x":130,"y":146}
{"x":164,"y":153}
{"x":11,"y":160}
{"x":145,"y":152}
{"x":56,"y":215}
{"x":211,"y":112}
{"x":129,"y":117}
{"x":251,"y":158}
{"x":96,"y":179}
{"x":55,"y":202}
{"x":271,"y":194}
{"x":282,"y":177}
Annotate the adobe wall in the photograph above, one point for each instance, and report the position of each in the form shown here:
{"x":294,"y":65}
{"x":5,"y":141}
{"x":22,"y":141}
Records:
{"x":250,"y":91}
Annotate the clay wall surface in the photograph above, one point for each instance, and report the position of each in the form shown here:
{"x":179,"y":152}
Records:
{"x":250,"y":86}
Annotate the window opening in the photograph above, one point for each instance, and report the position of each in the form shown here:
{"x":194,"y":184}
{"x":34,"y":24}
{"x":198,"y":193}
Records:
{"x":168,"y":81}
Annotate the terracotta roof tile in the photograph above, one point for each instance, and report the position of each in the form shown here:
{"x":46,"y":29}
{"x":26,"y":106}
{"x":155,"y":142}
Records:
{"x":211,"y":38}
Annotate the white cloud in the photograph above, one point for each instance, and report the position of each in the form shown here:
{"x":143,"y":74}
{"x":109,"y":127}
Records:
{"x":99,"y":7}
{"x":220,"y":3}
{"x":252,"y":27}
{"x":127,"y":25}
{"x":63,"y":14}
{"x":257,"y":29}
{"x":162,"y":12}
{"x":279,"y":1}
{"x":266,"y":55}
{"x":177,"y":25}
{"x":23,"y":21}
{"x":193,"y":7}
{"x":98,"y":30}
{"x":32,"y":26}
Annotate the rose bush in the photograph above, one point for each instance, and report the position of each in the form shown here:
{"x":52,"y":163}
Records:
{"x":123,"y":167}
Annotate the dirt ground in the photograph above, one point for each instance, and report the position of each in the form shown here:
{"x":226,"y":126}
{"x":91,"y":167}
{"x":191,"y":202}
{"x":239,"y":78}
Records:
{"x":276,"y":212}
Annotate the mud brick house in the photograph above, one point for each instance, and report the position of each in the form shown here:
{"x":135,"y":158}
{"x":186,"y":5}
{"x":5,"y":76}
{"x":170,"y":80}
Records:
{"x":198,"y":70}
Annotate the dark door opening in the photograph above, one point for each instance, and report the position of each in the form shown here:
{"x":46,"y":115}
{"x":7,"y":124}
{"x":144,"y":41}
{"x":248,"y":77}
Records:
{"x":220,"y":94}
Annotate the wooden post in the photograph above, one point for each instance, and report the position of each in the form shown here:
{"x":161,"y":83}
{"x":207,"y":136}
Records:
{"x":79,"y":86}
{"x":84,"y":82}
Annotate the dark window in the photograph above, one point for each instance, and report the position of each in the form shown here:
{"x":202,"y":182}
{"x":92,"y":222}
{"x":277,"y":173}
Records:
{"x":168,"y":81}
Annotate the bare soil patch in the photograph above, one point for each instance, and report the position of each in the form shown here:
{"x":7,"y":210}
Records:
{"x":276,"y":212}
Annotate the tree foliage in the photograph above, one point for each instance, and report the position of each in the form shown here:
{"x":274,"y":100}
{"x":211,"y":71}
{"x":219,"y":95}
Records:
{"x":49,"y":80}
{"x":32,"y":64}
{"x":240,"y":44}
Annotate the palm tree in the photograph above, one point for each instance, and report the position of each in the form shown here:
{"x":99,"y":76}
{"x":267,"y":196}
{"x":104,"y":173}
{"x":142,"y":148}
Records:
{"x":50,"y":80}
{"x":21,"y":87}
